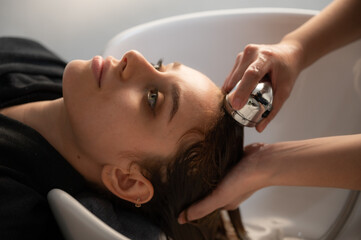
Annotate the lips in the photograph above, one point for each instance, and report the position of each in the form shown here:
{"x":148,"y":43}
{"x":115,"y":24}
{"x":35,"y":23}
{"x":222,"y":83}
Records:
{"x":97,"y":68}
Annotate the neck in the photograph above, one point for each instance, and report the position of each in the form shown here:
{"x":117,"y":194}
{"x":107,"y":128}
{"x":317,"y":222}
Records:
{"x":50,"y":119}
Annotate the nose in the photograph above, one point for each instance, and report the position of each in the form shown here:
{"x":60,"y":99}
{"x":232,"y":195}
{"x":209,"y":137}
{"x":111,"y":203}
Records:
{"x":137,"y":64}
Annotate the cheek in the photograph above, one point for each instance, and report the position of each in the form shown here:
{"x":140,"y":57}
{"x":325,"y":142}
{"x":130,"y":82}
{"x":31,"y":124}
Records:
{"x":106,"y":123}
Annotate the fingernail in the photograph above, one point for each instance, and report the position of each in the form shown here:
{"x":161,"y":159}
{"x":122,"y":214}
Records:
{"x":236,"y":103}
{"x":181,"y":218}
{"x":261,"y":127}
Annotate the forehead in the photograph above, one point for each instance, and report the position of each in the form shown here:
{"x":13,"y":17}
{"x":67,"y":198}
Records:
{"x":200,"y":101}
{"x":199,"y":89}
{"x":193,"y":81}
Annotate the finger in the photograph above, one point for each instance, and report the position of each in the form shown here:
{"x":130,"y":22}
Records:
{"x":201,"y":208}
{"x":235,"y":204}
{"x":244,"y":59}
{"x":251,"y":77}
{"x":252,"y":148}
{"x":182,"y":219}
{"x":237,"y":74}
{"x":279,"y":99}
{"x":225,"y":87}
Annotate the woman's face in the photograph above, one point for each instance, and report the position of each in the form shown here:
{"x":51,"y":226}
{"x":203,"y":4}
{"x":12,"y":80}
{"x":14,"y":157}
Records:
{"x":124,"y":107}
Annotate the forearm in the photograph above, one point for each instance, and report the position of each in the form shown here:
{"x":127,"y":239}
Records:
{"x":337,"y":25}
{"x":326,"y":162}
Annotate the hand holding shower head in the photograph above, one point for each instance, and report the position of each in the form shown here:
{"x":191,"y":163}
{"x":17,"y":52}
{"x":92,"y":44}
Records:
{"x":258,"y":106}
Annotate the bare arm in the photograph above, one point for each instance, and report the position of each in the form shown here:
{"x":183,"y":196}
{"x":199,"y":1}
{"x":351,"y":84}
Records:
{"x":337,"y":25}
{"x":326,"y":162}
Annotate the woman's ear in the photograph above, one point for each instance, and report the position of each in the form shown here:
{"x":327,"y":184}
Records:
{"x":127,"y":183}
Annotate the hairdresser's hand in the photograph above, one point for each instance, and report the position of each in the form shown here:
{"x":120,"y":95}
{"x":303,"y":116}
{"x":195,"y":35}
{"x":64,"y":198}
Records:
{"x":282,"y":64}
{"x":239,"y":184}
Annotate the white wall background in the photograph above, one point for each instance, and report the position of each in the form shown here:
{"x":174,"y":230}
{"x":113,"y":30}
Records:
{"x":81,"y":28}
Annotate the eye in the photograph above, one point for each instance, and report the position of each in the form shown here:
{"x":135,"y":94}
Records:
{"x":159,"y":64}
{"x":152,"y":98}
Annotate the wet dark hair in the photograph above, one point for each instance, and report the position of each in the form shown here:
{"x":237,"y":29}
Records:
{"x":193,"y":173}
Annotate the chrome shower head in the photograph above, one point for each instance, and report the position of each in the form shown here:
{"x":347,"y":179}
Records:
{"x":258,"y":106}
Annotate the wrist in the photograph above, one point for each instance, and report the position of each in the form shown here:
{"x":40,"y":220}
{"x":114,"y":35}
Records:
{"x":265,"y":168}
{"x":296,"y":51}
{"x":274,"y":165}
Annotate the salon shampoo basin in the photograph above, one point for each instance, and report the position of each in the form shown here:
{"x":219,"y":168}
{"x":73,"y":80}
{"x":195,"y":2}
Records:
{"x":76,"y":222}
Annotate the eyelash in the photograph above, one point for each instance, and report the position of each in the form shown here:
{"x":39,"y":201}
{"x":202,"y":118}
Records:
{"x":152,"y":95}
{"x":152,"y":98}
{"x":159,"y":64}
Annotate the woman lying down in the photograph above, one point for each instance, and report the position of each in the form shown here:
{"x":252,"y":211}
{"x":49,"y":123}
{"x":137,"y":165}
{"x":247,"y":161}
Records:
{"x":153,"y":139}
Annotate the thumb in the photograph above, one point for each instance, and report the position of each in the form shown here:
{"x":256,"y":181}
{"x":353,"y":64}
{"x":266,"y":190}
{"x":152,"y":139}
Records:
{"x":223,"y":195}
{"x":233,"y":205}
{"x":200,"y":209}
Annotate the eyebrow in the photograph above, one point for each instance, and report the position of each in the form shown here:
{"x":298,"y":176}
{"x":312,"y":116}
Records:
{"x":175,"y":93}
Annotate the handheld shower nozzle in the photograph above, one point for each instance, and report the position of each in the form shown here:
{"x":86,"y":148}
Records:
{"x":258,"y":106}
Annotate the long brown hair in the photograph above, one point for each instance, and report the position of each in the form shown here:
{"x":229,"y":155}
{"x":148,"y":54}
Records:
{"x":193,"y":173}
